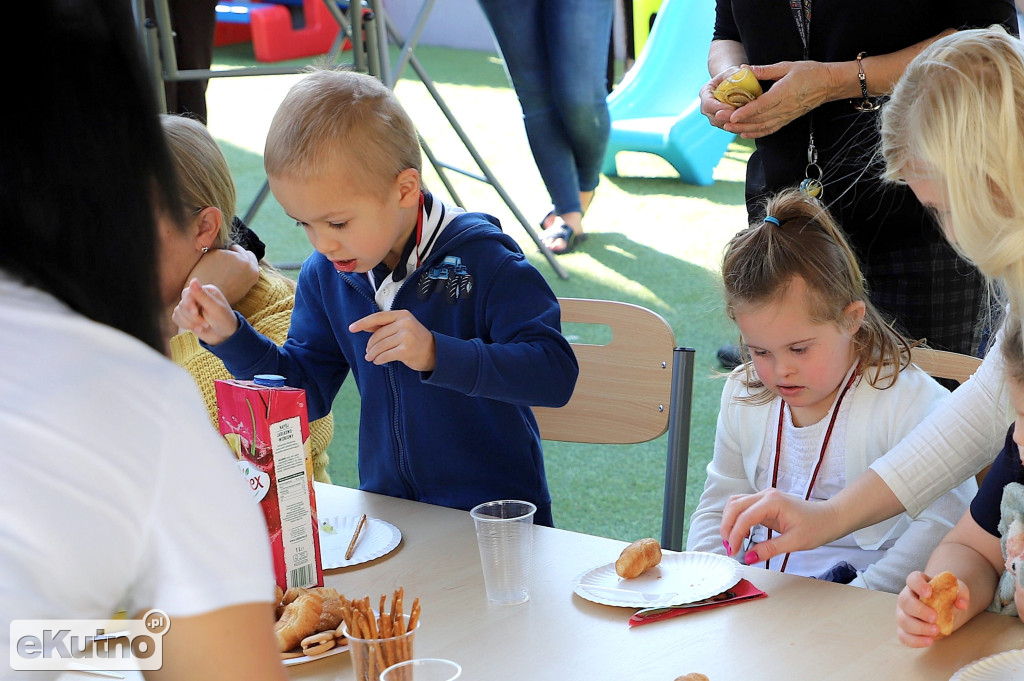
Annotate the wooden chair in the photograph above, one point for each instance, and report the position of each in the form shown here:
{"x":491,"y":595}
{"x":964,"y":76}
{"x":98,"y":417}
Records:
{"x":949,"y":365}
{"x":631,"y":390}
{"x":942,"y":364}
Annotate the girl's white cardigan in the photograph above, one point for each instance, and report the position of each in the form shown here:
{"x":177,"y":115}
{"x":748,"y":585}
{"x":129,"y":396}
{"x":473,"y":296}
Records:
{"x":878,"y":419}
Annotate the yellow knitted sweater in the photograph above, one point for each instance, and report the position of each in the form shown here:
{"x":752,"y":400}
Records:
{"x":268,"y":307}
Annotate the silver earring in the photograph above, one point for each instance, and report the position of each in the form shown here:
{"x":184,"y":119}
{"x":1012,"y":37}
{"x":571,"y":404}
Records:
{"x":206,"y":249}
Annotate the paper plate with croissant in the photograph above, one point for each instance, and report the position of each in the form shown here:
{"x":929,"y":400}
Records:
{"x":644,"y":577}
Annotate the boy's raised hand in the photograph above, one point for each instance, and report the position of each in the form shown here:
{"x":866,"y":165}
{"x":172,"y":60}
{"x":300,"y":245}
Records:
{"x":397,"y":336}
{"x":915,"y":621}
{"x":205,"y":311}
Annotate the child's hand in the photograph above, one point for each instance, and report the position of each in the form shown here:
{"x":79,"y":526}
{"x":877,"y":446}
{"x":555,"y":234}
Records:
{"x":234,"y":271}
{"x":915,"y":621}
{"x":397,"y":336}
{"x":205,"y":311}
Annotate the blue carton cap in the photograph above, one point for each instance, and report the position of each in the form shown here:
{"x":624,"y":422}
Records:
{"x":269,"y":380}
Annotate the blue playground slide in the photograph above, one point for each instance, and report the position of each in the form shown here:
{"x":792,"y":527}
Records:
{"x":656,"y":109}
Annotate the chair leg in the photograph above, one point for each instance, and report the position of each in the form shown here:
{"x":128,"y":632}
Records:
{"x":674,"y":513}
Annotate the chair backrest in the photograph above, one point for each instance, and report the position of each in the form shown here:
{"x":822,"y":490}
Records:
{"x":623,"y":391}
{"x":630,"y":390}
{"x":949,"y":365}
{"x":942,"y":364}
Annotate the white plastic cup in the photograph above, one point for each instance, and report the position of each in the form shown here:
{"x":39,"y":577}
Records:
{"x":504,"y":534}
{"x":423,"y":669}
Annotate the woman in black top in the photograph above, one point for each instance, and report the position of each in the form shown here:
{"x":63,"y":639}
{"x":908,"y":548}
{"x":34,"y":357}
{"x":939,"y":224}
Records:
{"x":806,"y":55}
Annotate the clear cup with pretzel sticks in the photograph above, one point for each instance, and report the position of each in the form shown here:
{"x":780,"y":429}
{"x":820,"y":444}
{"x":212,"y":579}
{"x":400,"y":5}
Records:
{"x":378,"y":639}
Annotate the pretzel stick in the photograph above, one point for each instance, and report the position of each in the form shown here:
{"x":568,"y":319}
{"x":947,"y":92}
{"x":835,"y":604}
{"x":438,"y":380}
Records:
{"x":414,"y":614}
{"x":394,"y":604}
{"x":387,"y":632}
{"x":355,"y":536}
{"x":375,"y":647}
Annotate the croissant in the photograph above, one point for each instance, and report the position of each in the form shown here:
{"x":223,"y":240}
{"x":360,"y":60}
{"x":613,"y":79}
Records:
{"x":944,"y":591}
{"x":299,"y":620}
{"x":330,"y":614}
{"x":637,"y":557}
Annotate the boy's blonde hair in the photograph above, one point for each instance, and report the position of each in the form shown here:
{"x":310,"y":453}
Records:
{"x":333,"y":115}
{"x":1012,"y":347}
{"x":203,"y":174}
{"x":956,"y":117}
{"x":763,"y":260}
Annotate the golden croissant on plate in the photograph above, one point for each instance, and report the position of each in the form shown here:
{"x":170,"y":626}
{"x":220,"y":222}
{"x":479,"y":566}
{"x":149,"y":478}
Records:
{"x":638,"y":557}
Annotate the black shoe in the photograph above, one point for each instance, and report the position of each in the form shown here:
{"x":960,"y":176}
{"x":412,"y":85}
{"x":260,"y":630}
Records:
{"x":729,"y":356}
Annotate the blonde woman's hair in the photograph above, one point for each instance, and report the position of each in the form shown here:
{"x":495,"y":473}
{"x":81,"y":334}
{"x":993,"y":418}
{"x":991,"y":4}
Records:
{"x":336,"y":115}
{"x":762,"y":261}
{"x":956,"y":117}
{"x":203,"y":174}
{"x":204,"y":178}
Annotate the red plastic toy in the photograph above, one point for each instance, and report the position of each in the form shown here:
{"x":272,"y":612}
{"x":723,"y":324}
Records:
{"x":269,"y":26}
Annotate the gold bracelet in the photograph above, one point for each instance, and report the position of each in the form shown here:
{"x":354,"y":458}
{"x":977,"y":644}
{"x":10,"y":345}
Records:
{"x":867,"y":103}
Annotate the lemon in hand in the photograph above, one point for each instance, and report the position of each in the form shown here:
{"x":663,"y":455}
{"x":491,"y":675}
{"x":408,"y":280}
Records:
{"x":738,"y":89}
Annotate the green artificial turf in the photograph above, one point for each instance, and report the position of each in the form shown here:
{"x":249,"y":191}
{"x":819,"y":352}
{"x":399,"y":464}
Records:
{"x":654,"y":241}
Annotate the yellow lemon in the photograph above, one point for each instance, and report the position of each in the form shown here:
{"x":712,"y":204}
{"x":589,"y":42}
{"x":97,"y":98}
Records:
{"x":738,"y":89}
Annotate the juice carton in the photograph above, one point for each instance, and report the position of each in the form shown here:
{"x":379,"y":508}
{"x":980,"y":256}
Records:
{"x":266,"y":425}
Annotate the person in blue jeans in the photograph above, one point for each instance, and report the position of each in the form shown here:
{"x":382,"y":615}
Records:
{"x":556,"y":54}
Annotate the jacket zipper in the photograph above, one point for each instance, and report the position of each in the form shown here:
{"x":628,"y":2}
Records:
{"x":401,"y":459}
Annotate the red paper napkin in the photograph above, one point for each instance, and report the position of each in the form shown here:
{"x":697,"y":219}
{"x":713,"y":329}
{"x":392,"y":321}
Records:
{"x":743,"y":591}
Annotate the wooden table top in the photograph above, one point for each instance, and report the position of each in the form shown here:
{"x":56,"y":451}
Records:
{"x":805,"y":629}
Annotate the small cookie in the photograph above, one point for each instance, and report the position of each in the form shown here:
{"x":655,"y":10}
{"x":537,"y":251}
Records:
{"x":944,"y":590}
{"x":318,"y":644}
{"x":292,"y":654}
{"x":693,"y":676}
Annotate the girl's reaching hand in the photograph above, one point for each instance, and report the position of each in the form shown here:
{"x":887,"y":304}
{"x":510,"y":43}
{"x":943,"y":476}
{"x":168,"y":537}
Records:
{"x":915,"y":621}
{"x":205,"y":311}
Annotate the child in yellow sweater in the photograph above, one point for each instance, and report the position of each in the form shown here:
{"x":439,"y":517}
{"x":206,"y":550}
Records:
{"x":208,"y":194}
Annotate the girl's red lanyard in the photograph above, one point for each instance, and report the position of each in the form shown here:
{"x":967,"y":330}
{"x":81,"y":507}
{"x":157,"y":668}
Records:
{"x":821,"y":454}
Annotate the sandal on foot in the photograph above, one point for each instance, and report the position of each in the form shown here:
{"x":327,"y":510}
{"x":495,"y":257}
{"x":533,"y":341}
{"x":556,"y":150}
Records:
{"x":564,"y":232}
{"x":548,"y":221}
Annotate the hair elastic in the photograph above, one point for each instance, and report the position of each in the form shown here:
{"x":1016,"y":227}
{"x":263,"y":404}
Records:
{"x":772,"y":219}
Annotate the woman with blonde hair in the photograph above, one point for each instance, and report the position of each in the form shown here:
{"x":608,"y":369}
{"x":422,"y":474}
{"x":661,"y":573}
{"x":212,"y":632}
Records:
{"x":954,"y":133}
{"x":827,"y":388}
{"x":208,"y":248}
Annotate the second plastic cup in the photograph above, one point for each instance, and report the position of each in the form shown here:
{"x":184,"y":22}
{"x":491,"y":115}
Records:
{"x":371,"y":656}
{"x":424,"y":669}
{"x":504,"y":534}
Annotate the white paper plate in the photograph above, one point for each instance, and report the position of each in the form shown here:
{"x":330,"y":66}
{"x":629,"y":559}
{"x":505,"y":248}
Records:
{"x":306,"y":658}
{"x":1008,"y":666}
{"x":377,"y":539}
{"x":679,"y":578}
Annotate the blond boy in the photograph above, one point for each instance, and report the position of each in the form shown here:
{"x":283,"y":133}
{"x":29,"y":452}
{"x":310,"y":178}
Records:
{"x":450,"y":334}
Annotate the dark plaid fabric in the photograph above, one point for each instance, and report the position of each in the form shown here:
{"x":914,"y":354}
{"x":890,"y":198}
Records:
{"x":932,"y":293}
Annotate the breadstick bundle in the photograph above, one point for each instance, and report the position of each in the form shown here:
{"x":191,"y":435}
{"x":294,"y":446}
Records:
{"x":377,"y":641}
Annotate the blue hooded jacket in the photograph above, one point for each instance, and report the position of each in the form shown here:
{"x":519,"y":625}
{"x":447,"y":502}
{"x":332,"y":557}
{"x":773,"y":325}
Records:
{"x":463,"y":433}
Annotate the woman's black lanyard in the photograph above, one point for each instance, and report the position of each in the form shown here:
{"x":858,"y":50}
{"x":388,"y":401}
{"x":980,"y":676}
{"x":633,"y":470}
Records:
{"x":811,"y":185}
{"x":821,"y":454}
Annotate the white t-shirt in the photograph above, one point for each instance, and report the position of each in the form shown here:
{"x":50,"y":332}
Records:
{"x":115,"y":493}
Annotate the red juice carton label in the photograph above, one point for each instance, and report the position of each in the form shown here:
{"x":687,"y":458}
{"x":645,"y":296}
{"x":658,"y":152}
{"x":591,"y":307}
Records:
{"x":266,"y":425}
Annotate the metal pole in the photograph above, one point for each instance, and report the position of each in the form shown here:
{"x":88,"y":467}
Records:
{"x":674,"y":511}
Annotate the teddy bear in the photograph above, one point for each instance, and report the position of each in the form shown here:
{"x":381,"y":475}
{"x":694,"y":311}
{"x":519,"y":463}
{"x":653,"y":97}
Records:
{"x":1011,"y":530}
